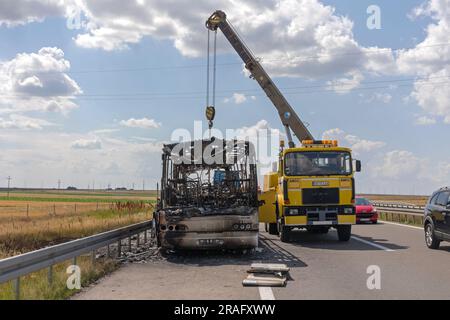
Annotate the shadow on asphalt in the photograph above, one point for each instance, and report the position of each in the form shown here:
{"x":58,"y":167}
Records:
{"x":330,"y":242}
{"x":269,"y":251}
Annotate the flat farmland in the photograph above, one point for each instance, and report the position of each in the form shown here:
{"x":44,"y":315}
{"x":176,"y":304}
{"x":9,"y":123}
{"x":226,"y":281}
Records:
{"x":31,"y":219}
{"x":400,"y":199}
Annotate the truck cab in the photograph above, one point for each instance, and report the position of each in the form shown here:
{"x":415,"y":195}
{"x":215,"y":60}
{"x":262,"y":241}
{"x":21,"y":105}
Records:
{"x":313,"y":189}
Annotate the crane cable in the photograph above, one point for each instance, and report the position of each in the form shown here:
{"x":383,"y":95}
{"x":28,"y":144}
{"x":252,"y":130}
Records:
{"x":210,"y":109}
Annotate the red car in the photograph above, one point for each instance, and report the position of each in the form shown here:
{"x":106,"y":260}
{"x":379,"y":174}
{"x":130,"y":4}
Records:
{"x":365,"y":211}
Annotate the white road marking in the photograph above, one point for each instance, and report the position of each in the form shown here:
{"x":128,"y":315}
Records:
{"x":372,"y":244}
{"x":266,"y":293}
{"x":402,"y":225}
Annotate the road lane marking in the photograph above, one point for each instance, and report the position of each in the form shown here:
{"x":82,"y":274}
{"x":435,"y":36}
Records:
{"x":266,"y":293}
{"x":379,"y":246}
{"x":402,"y":225}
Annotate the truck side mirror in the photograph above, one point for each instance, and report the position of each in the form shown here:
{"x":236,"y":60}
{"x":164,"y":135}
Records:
{"x":358,"y":165}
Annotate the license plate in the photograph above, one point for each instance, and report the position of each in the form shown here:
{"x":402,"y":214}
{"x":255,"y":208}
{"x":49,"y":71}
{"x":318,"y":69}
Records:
{"x":210,"y":242}
{"x":322,"y":223}
{"x":364,"y":219}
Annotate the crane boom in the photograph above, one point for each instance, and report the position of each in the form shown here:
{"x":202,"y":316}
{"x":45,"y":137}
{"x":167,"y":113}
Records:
{"x":288,"y":116}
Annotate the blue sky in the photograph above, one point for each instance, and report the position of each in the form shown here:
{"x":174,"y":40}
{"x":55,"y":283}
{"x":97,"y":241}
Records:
{"x":137,"y":73}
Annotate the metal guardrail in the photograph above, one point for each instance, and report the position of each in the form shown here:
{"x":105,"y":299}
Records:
{"x":14,"y":267}
{"x":398,"y":206}
{"x":401,"y":213}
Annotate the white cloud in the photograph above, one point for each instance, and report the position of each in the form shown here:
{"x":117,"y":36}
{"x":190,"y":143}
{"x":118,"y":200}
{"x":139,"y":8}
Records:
{"x":301,"y":37}
{"x":345,"y":85}
{"x":237,"y":98}
{"x":19,"y":12}
{"x":17,"y":121}
{"x":261,"y":128}
{"x":357,"y":144}
{"x":88,"y":144}
{"x":425,"y":121}
{"x":430,"y":59}
{"x":37,"y":81}
{"x":143,"y":123}
{"x":398,"y":163}
{"x":41,"y":157}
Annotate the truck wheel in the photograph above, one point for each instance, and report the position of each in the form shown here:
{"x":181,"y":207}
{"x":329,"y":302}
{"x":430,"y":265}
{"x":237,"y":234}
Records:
{"x":273,"y":229}
{"x":284,"y":232}
{"x":344,"y":232}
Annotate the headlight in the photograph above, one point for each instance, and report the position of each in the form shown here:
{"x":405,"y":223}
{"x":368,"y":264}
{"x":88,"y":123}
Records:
{"x":293,"y":212}
{"x":348,"y":210}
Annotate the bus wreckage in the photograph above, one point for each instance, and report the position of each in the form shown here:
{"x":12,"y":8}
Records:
{"x":209,"y":196}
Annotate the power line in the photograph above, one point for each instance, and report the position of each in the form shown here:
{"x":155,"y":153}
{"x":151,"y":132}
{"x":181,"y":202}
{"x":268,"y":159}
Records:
{"x":188,"y":94}
{"x":193,"y":66}
{"x":287,"y":91}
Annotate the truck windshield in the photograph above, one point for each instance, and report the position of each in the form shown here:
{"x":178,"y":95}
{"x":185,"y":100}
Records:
{"x":323,"y":163}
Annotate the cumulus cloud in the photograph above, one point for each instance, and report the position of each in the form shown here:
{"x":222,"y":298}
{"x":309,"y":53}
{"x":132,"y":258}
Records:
{"x":301,"y":37}
{"x":37,"y":81}
{"x":87,"y":144}
{"x":238,"y":98}
{"x":143,"y":123}
{"x":357,"y":144}
{"x":14,"y":13}
{"x":17,"y":121}
{"x":430,"y":59}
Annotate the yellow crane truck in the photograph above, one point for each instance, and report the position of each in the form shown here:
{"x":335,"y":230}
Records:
{"x":314,"y":187}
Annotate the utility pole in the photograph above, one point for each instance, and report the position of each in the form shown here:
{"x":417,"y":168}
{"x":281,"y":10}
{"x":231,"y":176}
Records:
{"x":59,"y":184}
{"x":9,"y":184}
{"x":143,"y":185}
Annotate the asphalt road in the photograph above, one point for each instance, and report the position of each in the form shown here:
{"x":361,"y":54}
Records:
{"x":321,"y":268}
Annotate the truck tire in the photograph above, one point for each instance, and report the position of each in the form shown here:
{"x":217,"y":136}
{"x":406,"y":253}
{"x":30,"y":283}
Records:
{"x":273,"y":229}
{"x":284,"y":232}
{"x":344,"y":232}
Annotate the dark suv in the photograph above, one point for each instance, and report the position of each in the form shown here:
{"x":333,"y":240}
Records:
{"x":437,"y":218}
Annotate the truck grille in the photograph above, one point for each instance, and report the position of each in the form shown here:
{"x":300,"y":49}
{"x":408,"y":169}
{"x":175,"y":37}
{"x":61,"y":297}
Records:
{"x":321,"y":196}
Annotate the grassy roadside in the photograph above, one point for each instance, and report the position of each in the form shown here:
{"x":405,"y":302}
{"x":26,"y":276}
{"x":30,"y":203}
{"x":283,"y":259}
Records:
{"x":401,"y":218}
{"x":35,"y":286}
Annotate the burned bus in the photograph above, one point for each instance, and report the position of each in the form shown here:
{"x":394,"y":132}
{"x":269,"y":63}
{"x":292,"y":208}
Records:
{"x":209,"y":196}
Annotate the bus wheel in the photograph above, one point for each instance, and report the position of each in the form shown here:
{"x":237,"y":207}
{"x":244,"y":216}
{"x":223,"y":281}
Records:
{"x":273,"y":229}
{"x":344,"y":232}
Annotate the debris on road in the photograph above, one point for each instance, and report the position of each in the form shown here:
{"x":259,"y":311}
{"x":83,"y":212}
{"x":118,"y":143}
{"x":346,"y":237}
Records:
{"x":266,"y":275}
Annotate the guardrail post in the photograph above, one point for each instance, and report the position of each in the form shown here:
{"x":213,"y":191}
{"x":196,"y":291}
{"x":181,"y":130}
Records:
{"x":145,"y":236}
{"x":17,"y":288}
{"x":129,"y":243}
{"x":74,"y":261}
{"x":93,"y":257}
{"x":138,"y":239}
{"x":119,"y":248}
{"x":109,"y":251}
{"x":50,"y":275}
